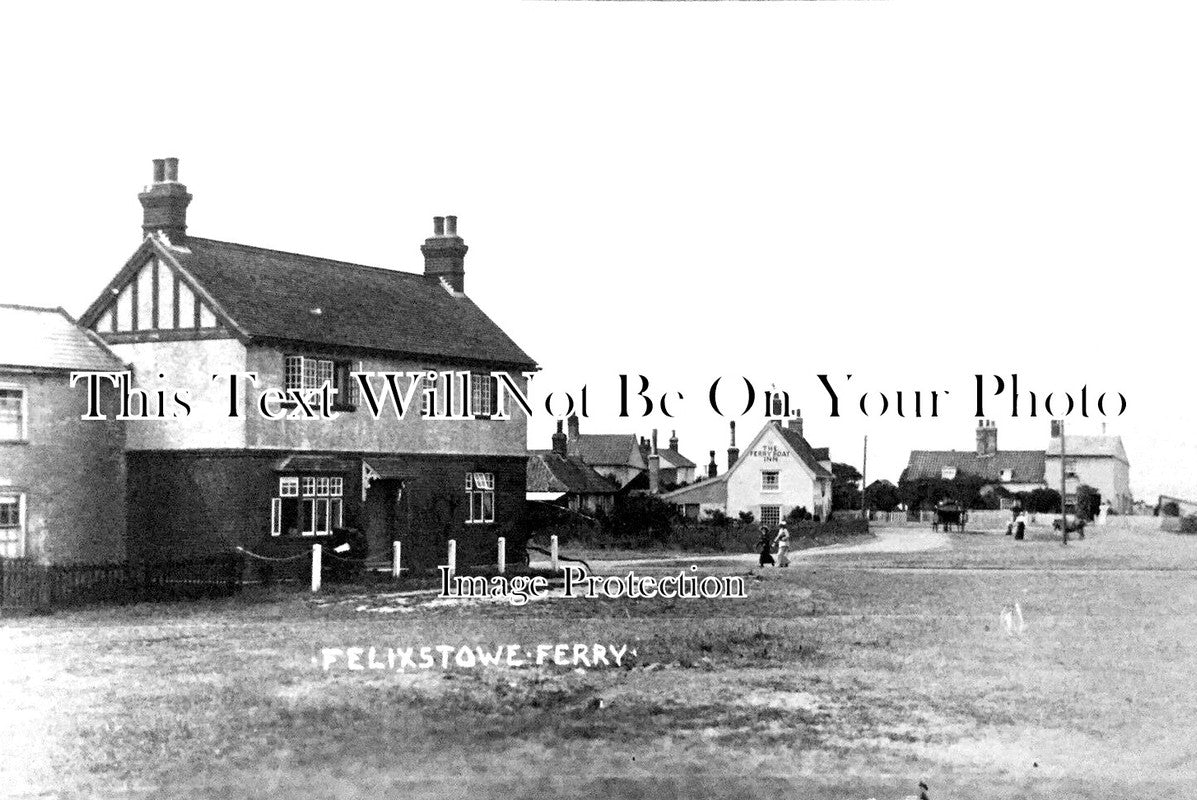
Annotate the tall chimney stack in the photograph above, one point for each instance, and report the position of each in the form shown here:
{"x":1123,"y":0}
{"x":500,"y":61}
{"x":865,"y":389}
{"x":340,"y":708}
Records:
{"x":796,"y":423}
{"x":673,"y":442}
{"x":733,"y":452}
{"x":986,"y":438}
{"x":574,"y":447}
{"x":444,"y":253}
{"x":654,"y":467}
{"x":164,"y":202}
{"x":712,"y":469}
{"x":560,"y":443}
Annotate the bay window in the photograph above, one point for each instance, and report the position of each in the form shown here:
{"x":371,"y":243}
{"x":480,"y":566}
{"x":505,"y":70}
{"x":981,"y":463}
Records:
{"x":307,"y":505}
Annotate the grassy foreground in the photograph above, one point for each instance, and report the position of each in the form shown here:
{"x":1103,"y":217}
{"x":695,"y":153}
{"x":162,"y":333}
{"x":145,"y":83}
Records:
{"x":846,"y":676}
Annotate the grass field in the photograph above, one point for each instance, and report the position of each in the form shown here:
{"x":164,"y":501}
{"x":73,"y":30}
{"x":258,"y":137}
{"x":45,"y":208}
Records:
{"x":847,"y":676}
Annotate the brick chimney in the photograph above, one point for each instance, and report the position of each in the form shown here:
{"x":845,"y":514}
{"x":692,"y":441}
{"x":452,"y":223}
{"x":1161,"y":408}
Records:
{"x":712,"y":470}
{"x":164,"y":202}
{"x":673,"y":441}
{"x":444,"y":253}
{"x":986,"y":438}
{"x":796,"y":423}
{"x":654,"y":468}
{"x":733,"y":452}
{"x":574,"y":446}
{"x":560,"y":443}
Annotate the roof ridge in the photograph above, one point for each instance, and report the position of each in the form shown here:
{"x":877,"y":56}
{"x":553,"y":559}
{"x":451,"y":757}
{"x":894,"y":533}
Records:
{"x":27,"y":307}
{"x":293,"y":254}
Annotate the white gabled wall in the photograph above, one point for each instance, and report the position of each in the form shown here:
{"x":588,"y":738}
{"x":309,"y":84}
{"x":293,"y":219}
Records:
{"x":797,"y":485}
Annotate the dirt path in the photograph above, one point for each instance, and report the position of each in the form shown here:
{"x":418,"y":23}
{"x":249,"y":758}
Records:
{"x":894,"y":540}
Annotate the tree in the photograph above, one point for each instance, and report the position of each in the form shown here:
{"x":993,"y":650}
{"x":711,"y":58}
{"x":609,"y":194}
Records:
{"x":641,"y":517}
{"x":1040,"y":501}
{"x":883,"y":496}
{"x":927,"y":492}
{"x":845,"y":486}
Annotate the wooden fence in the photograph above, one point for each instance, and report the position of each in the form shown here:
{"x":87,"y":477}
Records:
{"x":28,"y":585}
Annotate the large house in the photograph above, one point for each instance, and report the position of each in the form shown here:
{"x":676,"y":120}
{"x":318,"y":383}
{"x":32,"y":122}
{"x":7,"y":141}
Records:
{"x":185,"y":308}
{"x":62,"y":477}
{"x":1014,"y":470}
{"x":778,"y":472}
{"x":1096,"y":461}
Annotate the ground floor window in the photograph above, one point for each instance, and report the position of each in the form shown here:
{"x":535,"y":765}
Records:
{"x":480,"y":494}
{"x":770,"y":515}
{"x":307,"y":505}
{"x":12,"y":525}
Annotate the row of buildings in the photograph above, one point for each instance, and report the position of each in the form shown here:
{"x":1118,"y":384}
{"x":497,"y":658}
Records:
{"x":1097,"y":461}
{"x":194,"y":471}
{"x":167,"y":484}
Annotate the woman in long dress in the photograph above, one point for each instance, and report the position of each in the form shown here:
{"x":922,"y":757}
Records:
{"x":783,"y":545}
{"x":765,"y":545}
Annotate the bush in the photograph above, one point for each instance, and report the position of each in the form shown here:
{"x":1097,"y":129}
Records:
{"x":747,"y":518}
{"x":1188,"y":524}
{"x":642,"y":518}
{"x":717,"y":518}
{"x":798,"y":514}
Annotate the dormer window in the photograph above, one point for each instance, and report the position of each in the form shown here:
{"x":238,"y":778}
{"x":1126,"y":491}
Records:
{"x":1007,"y":475}
{"x":948,"y":473}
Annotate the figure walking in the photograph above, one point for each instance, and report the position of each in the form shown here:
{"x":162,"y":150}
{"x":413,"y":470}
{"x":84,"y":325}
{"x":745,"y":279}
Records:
{"x":783,"y":545}
{"x":765,"y":545}
{"x":1020,"y":526}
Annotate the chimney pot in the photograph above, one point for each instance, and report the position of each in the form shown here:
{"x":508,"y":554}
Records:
{"x":438,"y":226}
{"x":164,"y":202}
{"x":450,"y":226}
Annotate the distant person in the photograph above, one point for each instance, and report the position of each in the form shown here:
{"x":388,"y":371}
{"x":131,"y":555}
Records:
{"x":765,"y":545}
{"x":1013,"y":520}
{"x":1020,"y":526}
{"x":783,"y":545}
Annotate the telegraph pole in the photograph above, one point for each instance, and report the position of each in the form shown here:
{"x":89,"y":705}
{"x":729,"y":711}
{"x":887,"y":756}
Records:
{"x":1063,"y":486}
{"x":864,"y":481}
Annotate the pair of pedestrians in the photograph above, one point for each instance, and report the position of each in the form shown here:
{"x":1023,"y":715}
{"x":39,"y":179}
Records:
{"x":782,"y":540}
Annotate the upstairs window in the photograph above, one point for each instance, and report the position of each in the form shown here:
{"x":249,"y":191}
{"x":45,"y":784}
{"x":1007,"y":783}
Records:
{"x":13,"y":413}
{"x":309,"y":375}
{"x":948,"y":473}
{"x":480,"y":494}
{"x":770,"y":481}
{"x":485,"y":390}
{"x":307,"y":505}
{"x":1007,"y":475}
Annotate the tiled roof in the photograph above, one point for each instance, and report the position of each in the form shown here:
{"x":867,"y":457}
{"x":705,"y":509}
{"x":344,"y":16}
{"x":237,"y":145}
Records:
{"x":821,"y":453}
{"x":550,"y":472}
{"x":610,"y":449}
{"x":271,"y":294}
{"x":1026,"y":465}
{"x":48,"y":338}
{"x":1088,"y":446}
{"x":674,"y":458}
{"x":804,"y":451}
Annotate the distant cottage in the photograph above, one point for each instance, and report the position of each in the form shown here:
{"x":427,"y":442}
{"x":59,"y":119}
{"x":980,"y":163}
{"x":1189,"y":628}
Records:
{"x":186,"y":308}
{"x":778,"y":472}
{"x":1097,"y":461}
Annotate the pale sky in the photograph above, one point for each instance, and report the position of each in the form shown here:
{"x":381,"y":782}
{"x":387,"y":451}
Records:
{"x":908,"y":191}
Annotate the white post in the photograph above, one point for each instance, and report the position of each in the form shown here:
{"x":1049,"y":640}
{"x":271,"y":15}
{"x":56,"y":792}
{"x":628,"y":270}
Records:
{"x":315,"y":567}
{"x":502,"y":555}
{"x":452,"y":557}
{"x":553,"y":551}
{"x":397,"y":547}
